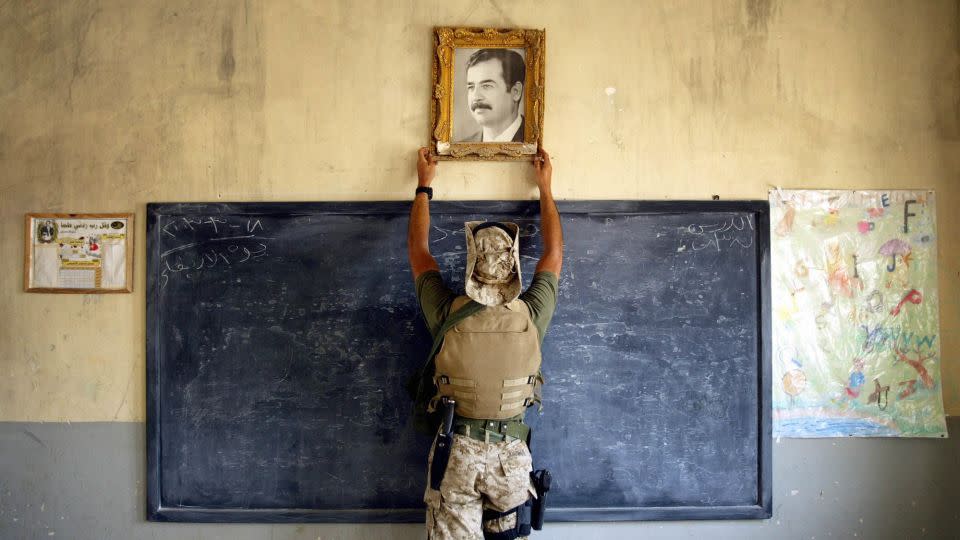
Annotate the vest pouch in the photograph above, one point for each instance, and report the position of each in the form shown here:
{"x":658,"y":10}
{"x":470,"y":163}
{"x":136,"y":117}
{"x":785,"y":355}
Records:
{"x":485,"y":352}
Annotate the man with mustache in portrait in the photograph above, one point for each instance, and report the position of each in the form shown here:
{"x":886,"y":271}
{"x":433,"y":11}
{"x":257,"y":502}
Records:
{"x":495,"y":80}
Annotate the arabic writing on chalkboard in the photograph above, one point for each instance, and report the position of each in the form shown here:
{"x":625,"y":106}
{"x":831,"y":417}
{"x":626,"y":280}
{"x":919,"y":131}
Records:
{"x":209,"y":242}
{"x":734,"y":232}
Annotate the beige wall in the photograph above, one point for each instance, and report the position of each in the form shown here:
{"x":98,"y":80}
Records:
{"x":105,"y":106}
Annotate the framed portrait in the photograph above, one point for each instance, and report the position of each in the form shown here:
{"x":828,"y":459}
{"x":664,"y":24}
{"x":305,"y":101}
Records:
{"x":488,"y":88}
{"x":78,"y":253}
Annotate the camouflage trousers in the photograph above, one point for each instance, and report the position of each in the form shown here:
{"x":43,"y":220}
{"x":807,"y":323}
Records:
{"x":479,"y":475}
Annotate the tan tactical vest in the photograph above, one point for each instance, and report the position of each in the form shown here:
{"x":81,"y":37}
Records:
{"x":490,"y":362}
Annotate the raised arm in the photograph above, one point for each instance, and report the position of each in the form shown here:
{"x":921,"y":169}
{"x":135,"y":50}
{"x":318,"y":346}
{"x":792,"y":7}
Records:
{"x":418,"y":231}
{"x":552,"y":258}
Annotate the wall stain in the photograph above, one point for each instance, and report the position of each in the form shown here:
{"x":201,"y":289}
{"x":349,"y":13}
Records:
{"x":754,"y":56}
{"x":79,"y":69}
{"x":779,"y":78}
{"x":948,"y":98}
{"x":718,"y":80}
{"x":507,"y":21}
{"x":228,"y":64}
{"x":468,"y":14}
{"x":946,"y":90}
{"x":694,"y":76}
{"x":758,"y":14}
{"x":504,"y":19}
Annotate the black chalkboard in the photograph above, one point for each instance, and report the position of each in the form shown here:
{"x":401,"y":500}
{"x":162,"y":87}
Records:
{"x":280,"y":335}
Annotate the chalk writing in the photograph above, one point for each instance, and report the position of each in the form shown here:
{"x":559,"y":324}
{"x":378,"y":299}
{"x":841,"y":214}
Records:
{"x":191,"y":264}
{"x":735,"y":232}
{"x":177,"y":226}
{"x":211,"y":242}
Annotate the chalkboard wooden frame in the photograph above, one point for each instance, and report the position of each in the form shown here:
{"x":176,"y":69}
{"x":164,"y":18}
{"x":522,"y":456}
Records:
{"x":158,"y":510}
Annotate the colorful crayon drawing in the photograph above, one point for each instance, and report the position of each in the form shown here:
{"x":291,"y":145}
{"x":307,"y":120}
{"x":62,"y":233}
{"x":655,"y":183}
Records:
{"x":856,"y":331}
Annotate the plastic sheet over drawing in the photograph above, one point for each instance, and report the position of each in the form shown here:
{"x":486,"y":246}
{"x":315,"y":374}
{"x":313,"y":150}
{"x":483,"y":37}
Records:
{"x":855,"y":314}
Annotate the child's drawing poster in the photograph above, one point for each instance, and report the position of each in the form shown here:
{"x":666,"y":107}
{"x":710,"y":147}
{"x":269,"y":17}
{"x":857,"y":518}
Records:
{"x":855,"y":314}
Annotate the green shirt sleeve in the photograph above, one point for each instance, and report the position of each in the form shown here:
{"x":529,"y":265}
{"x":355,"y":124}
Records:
{"x":541,"y":298}
{"x":435,"y":299}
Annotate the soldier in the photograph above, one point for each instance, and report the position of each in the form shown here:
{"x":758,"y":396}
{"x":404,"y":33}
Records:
{"x":486,"y":359}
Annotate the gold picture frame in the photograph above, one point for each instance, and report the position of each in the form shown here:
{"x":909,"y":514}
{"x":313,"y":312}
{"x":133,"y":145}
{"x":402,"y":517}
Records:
{"x":78,"y":253}
{"x":448,"y":121}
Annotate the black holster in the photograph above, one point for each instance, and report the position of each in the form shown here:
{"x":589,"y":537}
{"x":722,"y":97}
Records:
{"x":521,"y":528}
{"x":541,"y":482}
{"x":529,"y":514}
{"x":441,"y":448}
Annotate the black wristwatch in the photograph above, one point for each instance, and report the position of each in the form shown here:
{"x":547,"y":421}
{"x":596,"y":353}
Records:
{"x":427,"y":190}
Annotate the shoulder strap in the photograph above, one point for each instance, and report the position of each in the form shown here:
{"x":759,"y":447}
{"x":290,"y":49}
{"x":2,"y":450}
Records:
{"x":421,"y":386}
{"x":425,"y":388}
{"x":458,"y":303}
{"x":457,"y":314}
